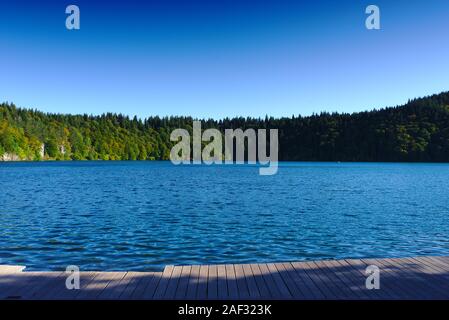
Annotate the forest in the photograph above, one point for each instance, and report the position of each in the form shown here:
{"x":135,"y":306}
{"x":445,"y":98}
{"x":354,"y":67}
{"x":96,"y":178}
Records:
{"x":417,"y":131}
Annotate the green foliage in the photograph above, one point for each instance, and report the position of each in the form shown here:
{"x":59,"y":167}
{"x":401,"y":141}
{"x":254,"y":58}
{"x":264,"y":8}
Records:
{"x":51,"y":147}
{"x":417,"y":131}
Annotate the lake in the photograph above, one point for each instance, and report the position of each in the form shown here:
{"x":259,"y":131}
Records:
{"x":145,"y":215}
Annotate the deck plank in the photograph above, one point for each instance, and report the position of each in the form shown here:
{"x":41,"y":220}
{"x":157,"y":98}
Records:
{"x":331,"y":279}
{"x":201,"y":293}
{"x":114,"y":281}
{"x":443,"y":260}
{"x":260,"y":281}
{"x":341,"y":281}
{"x":389,"y":279}
{"x":424,"y":281}
{"x":212,"y":283}
{"x":357,"y":269}
{"x":438,"y":264}
{"x":146,"y":278}
{"x":355,"y":280}
{"x":408,"y":281}
{"x":150,"y":289}
{"x":88,"y":280}
{"x":192,"y":286}
{"x":385,"y":292}
{"x":222,"y":285}
{"x":241,"y":282}
{"x":163,"y":283}
{"x":11,"y":283}
{"x":183,"y":284}
{"x":96,"y":287}
{"x":429,"y":265}
{"x":114,"y":291}
{"x":321,"y":281}
{"x":231,"y":281}
{"x":311,"y":290}
{"x":310,"y":277}
{"x":274,"y":292}
{"x":53,"y":285}
{"x":87,"y":289}
{"x":173,"y":283}
{"x":253,"y":290}
{"x":286,"y":276}
{"x":23,"y":285}
{"x":279,"y":282}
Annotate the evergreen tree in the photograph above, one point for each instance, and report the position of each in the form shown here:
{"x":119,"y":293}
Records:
{"x":416,"y":131}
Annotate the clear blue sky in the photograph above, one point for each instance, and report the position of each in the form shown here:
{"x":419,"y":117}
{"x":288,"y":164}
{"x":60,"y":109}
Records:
{"x":221,"y":58}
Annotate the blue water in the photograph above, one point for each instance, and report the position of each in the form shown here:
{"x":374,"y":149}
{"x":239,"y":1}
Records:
{"x":145,"y":215}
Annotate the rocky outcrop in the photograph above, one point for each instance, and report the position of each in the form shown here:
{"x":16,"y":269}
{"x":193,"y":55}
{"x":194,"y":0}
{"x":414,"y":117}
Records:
{"x":9,"y":157}
{"x":42,"y":151}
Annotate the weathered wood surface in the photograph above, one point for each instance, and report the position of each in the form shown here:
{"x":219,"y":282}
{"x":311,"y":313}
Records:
{"x":9,"y":269}
{"x":404,"y":278}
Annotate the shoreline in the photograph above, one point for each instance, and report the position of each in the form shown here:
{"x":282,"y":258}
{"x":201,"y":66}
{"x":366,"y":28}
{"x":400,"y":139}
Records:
{"x":223,"y":163}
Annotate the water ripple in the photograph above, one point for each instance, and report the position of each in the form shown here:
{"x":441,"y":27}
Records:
{"x":145,"y":215}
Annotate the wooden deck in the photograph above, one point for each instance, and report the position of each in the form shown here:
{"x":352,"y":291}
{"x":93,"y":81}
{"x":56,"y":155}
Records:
{"x":405,"y":278}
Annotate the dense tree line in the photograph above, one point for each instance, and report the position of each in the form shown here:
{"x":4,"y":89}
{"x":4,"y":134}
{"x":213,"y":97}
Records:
{"x":416,"y":131}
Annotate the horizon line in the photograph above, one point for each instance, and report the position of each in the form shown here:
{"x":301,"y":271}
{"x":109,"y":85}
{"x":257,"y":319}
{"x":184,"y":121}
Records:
{"x":91,"y":115}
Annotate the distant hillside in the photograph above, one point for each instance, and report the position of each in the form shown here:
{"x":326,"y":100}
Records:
{"x":416,"y":131}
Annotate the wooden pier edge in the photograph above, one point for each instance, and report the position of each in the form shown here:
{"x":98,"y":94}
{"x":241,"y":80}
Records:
{"x":415,"y":278}
{"x":11,"y":268}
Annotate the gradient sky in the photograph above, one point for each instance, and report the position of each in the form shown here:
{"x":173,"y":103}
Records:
{"x":221,"y":58}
